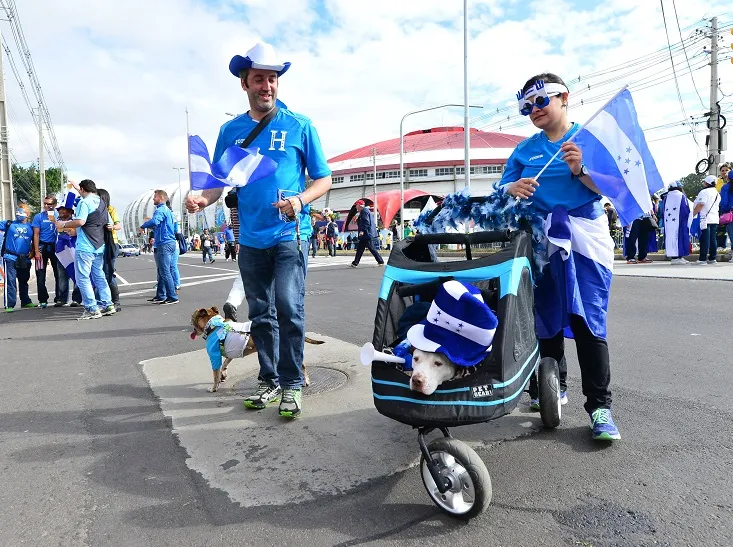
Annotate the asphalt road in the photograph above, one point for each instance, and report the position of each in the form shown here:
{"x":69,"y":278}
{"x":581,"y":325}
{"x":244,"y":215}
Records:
{"x":88,"y":458}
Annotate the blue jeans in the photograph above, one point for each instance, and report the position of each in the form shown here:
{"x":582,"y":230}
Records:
{"x":16,"y":279}
{"x":63,"y":295}
{"x":278,"y":274}
{"x":164,"y":261}
{"x":206,"y":251}
{"x":314,"y":247}
{"x":175,"y":273}
{"x":88,"y":269}
{"x":709,"y":243}
{"x":729,"y":231}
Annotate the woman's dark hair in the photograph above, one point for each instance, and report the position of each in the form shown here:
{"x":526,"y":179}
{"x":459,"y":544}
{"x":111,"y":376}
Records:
{"x":104,"y":194}
{"x":88,"y":185}
{"x":547,"y":77}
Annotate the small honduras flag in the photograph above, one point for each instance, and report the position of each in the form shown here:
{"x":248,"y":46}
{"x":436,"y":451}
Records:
{"x":459,"y":325}
{"x":237,"y":166}
{"x":66,"y":244}
{"x":618,"y":158}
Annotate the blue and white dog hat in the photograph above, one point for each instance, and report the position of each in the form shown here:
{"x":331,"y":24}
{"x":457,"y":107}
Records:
{"x":68,"y":201}
{"x":459,"y":325}
{"x":261,"y":56}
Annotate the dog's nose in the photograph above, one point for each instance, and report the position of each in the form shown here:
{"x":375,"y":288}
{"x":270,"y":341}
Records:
{"x":417,"y":381}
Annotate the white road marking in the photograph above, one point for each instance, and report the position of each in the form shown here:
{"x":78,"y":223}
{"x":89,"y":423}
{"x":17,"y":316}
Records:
{"x":183,"y":278}
{"x":119,"y":277}
{"x":192,"y":284}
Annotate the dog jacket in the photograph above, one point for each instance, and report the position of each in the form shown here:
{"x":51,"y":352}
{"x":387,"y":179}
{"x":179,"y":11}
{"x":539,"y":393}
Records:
{"x":225,"y":339}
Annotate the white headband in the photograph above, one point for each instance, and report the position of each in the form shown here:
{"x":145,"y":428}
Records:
{"x":539,"y":88}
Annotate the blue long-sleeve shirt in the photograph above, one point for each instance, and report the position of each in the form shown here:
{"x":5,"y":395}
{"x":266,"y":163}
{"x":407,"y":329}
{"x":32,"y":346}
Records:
{"x":726,"y":198}
{"x":365,"y":224}
{"x":162,"y":224}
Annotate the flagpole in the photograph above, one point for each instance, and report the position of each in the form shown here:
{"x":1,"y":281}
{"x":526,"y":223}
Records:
{"x":593,"y":117}
{"x":188,"y":158}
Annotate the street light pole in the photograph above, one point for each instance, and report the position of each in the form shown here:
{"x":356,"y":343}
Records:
{"x":402,"y":153}
{"x":466,"y":128}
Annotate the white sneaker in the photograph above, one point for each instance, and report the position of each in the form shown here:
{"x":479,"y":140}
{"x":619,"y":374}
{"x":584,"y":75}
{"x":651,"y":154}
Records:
{"x":712,"y":261}
{"x":700,"y":263}
{"x":678,"y":262}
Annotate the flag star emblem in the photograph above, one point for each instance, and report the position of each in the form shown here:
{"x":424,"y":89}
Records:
{"x":619,"y":158}
{"x":637,"y":163}
{"x":626,"y":171}
{"x":435,"y":320}
{"x":628,"y":160}
{"x":437,"y":312}
{"x":460,"y":325}
{"x":629,"y":150}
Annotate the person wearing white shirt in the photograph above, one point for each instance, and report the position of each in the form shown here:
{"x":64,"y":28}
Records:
{"x":707,"y":204}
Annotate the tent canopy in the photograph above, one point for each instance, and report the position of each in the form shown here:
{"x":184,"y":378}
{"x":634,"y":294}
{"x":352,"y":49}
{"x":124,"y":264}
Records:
{"x":388,"y":203}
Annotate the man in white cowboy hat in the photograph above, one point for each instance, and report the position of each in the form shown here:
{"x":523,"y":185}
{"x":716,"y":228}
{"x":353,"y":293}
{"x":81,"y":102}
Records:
{"x":273,"y":216}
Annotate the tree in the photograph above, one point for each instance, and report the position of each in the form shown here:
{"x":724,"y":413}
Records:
{"x":27,"y":183}
{"x":692,"y":184}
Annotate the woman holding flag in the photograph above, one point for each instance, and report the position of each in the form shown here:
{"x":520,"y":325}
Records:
{"x":571,"y":296}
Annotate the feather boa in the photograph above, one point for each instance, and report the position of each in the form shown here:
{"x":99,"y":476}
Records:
{"x":497,"y":211}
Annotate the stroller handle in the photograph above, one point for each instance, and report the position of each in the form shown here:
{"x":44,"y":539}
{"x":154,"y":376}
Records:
{"x":465,"y":239}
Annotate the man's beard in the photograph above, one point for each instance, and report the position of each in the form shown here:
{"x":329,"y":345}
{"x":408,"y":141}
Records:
{"x":264,"y":105}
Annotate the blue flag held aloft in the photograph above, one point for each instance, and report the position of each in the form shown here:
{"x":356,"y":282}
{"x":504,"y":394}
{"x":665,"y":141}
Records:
{"x":236,"y":167}
{"x":618,"y":158}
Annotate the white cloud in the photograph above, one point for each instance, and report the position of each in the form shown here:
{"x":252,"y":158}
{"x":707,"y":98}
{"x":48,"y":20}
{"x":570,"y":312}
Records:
{"x":118,"y":77}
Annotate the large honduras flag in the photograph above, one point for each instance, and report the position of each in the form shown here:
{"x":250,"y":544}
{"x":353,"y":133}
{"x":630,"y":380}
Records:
{"x":236,"y":167}
{"x":616,"y":154}
{"x":577,"y":280}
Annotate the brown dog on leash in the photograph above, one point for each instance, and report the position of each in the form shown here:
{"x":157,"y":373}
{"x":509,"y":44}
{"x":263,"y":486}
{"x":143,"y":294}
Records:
{"x":233,"y":342}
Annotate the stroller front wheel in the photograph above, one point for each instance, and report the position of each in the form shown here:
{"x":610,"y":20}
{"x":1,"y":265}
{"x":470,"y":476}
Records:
{"x":468,"y":480}
{"x":549,"y":392}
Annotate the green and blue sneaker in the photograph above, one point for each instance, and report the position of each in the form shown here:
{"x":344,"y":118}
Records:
{"x":264,"y":395}
{"x":534,"y":404}
{"x":29,"y":305}
{"x":603,"y":427}
{"x":9,"y":310}
{"x":564,"y":397}
{"x":290,"y":406}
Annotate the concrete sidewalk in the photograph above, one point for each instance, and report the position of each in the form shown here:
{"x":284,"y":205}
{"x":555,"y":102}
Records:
{"x":339,"y":443}
{"x":722,"y":271}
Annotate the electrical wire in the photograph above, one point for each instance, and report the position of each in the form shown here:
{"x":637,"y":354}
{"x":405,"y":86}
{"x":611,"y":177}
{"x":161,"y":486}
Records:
{"x":674,"y":6}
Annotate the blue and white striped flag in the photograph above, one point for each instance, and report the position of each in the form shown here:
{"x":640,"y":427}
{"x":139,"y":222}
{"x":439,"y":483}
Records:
{"x":237,"y":166}
{"x":618,"y":158}
{"x":66,"y":252}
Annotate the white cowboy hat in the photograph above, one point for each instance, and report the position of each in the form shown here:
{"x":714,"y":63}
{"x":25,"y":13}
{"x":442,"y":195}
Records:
{"x":261,"y":56}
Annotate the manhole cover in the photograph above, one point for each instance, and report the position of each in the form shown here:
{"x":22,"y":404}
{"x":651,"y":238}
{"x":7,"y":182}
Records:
{"x":322,"y":379}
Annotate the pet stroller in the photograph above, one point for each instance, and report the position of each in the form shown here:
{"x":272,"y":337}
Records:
{"x":454,"y":476}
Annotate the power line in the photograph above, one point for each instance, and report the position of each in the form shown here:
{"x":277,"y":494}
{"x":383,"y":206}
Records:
{"x":674,"y":6}
{"x":15,"y":25}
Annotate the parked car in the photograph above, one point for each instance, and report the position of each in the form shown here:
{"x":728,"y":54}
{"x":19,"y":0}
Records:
{"x":128,"y":249}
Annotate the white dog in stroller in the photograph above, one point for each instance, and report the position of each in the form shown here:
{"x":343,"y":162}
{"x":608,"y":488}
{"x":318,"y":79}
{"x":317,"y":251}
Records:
{"x":454,"y":338}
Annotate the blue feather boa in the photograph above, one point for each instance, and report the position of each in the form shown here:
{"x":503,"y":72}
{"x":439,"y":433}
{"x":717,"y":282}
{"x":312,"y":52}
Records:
{"x":497,"y":211}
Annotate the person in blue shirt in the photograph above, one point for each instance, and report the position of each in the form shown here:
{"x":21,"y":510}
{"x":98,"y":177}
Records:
{"x":175,"y":272}
{"x":230,"y":251}
{"x":166,"y":245}
{"x":571,"y":295}
{"x":44,"y":244}
{"x":90,"y":218}
{"x":273,"y":217}
{"x":16,"y":252}
{"x":367,"y":235}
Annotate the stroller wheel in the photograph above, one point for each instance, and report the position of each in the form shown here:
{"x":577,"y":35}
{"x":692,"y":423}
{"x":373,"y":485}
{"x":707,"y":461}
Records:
{"x":549,"y":392}
{"x":469,"y":491}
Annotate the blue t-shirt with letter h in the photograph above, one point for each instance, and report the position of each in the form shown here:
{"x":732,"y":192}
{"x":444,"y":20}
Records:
{"x":291,"y":140}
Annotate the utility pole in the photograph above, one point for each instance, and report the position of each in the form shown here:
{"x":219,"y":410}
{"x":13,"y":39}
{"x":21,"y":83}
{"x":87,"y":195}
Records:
{"x":714,"y":120}
{"x":466,"y":126}
{"x":374,"y":162}
{"x":41,"y":164}
{"x":7,"y":202}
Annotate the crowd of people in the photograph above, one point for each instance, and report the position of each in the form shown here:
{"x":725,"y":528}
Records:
{"x":675,"y":222}
{"x":76,"y":240}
